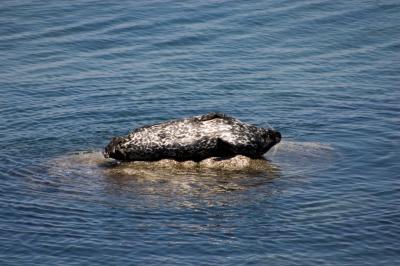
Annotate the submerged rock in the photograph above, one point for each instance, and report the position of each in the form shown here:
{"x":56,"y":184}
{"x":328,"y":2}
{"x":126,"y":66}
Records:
{"x":194,"y":139}
{"x":238,"y":162}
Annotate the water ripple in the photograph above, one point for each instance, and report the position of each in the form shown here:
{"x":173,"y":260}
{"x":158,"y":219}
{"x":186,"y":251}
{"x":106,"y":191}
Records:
{"x":323,"y":73}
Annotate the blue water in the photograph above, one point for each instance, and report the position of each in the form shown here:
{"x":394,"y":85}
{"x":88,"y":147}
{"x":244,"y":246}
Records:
{"x":326,"y":74}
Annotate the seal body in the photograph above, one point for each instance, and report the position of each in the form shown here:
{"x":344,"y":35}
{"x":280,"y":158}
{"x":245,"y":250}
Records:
{"x":195,"y":138}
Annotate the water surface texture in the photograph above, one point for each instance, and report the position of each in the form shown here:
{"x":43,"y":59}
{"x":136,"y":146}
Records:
{"x":324,"y":73}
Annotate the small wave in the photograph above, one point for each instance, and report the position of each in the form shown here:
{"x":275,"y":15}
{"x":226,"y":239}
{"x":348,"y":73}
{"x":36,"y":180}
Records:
{"x":309,"y":147}
{"x":301,"y":158}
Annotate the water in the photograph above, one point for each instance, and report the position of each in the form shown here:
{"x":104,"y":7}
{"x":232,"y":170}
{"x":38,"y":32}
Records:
{"x":324,"y":73}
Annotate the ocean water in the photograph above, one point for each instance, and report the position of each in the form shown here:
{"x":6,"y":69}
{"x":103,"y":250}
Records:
{"x":326,"y":74}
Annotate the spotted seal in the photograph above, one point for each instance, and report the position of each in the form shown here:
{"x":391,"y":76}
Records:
{"x":195,"y":138}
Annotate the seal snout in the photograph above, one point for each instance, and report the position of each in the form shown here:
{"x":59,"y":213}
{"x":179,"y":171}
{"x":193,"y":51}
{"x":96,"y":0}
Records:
{"x":278,"y":136}
{"x":274,"y":136}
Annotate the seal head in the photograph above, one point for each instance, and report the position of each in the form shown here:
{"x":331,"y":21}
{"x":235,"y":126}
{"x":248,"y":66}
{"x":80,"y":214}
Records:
{"x":195,"y":138}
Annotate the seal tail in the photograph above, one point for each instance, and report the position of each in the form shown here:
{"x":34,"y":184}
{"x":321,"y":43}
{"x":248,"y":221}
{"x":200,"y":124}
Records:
{"x":112,"y":150}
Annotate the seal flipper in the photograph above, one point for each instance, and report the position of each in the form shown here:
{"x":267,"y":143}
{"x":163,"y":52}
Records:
{"x":224,"y":148}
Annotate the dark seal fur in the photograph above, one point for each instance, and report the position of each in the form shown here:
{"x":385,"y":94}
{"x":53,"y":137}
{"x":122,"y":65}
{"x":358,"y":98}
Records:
{"x":195,"y":138}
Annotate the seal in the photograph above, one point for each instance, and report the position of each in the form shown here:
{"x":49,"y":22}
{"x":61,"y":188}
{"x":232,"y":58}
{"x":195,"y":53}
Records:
{"x":195,"y":138}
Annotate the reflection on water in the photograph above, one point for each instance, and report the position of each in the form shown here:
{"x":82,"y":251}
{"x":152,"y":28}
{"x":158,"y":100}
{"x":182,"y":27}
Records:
{"x":184,"y":186}
{"x":178,"y":183}
{"x":161,"y":183}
